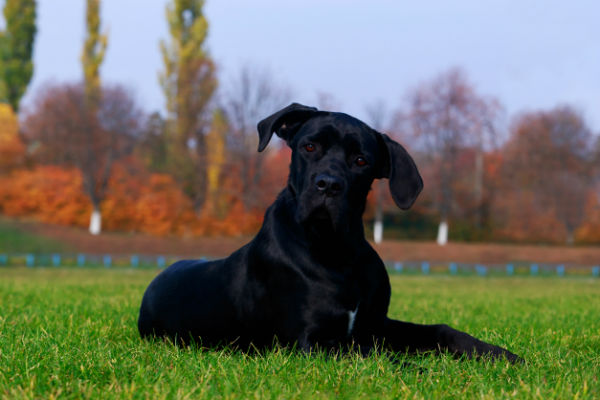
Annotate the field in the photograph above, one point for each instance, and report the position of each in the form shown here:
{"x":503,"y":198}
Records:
{"x":71,"y":333}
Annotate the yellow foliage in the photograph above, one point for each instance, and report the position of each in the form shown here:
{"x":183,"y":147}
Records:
{"x":215,"y":140}
{"x":12,"y":150}
{"x":8,"y":122}
{"x":93,"y":52}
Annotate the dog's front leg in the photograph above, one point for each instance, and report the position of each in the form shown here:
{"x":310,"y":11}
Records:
{"x":405,"y":336}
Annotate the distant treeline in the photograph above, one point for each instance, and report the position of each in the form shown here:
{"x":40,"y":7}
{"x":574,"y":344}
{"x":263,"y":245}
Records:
{"x":85,"y":152}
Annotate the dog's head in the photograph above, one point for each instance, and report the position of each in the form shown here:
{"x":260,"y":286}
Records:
{"x":335,"y":159}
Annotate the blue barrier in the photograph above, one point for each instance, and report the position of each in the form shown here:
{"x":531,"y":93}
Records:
{"x":481,"y":270}
{"x":398,"y":266}
{"x":453,"y":268}
{"x":56,"y":260}
{"x":135,"y":261}
{"x":107,"y":261}
{"x":510,"y":269}
{"x":534,"y":269}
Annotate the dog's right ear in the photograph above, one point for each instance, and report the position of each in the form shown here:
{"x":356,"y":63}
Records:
{"x":284,"y":123}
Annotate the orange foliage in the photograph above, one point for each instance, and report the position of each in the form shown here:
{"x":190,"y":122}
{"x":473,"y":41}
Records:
{"x":519,"y":218}
{"x":230,"y":217}
{"x":274,"y":179}
{"x":137,"y":201}
{"x":48,"y":193}
{"x":589,"y":231}
{"x":238,"y":221}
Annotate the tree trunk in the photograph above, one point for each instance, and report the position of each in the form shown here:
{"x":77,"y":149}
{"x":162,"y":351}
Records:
{"x":378,"y":224}
{"x":570,"y":236}
{"x":478,"y":189}
{"x":442,"y":236}
{"x":201,"y":176}
{"x":96,"y":221}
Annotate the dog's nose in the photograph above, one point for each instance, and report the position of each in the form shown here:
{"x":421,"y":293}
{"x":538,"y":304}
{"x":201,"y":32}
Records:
{"x":328,"y":184}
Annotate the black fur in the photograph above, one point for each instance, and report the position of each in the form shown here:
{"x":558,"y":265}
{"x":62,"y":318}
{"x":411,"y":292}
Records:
{"x":309,"y":265}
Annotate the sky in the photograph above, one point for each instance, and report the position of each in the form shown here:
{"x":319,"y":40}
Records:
{"x":529,"y":54}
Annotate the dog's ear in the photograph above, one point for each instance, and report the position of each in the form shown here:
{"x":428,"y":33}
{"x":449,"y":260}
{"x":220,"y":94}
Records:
{"x":284,"y":123}
{"x":399,"y":167}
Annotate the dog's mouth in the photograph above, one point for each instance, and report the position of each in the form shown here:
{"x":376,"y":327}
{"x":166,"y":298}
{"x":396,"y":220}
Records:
{"x":320,"y":214}
{"x":322,"y":220}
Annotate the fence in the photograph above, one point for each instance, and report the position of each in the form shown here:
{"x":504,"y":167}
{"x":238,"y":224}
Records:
{"x":89,"y":260}
{"x":510,"y":269}
{"x":410,"y":268}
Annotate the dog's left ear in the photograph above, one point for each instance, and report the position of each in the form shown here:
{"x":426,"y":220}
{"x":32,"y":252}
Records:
{"x":284,"y":123}
{"x":399,"y":167}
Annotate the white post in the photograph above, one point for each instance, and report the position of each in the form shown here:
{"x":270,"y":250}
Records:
{"x":378,"y":224}
{"x":95,"y":222}
{"x":378,"y":231}
{"x":442,"y":236}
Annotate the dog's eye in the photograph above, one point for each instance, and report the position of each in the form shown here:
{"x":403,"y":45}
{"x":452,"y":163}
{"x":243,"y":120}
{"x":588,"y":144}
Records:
{"x":310,"y":147}
{"x":361,"y":161}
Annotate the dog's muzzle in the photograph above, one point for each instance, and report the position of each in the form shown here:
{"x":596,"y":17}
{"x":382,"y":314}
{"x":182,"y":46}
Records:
{"x":324,"y":204}
{"x":329,"y":185}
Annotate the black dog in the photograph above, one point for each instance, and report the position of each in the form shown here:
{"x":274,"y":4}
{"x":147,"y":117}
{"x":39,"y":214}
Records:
{"x":309,"y":277}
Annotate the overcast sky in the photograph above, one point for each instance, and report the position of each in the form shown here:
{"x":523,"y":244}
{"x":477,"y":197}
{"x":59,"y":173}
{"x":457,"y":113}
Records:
{"x":529,"y":54}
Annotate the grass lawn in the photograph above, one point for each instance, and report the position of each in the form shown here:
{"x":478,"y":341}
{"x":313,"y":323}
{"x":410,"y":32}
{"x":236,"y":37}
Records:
{"x":71,"y":333}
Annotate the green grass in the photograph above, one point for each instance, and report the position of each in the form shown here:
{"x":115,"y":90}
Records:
{"x":14,"y":240}
{"x":71,"y":333}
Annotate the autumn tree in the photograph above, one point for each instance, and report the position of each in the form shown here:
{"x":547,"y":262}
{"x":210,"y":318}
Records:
{"x":550,"y":159}
{"x":16,"y":48}
{"x":377,"y":114}
{"x":188,"y":81}
{"x":152,"y":145}
{"x":94,"y":48}
{"x":215,"y":164}
{"x":250,"y":96}
{"x":445,"y":116}
{"x":67,"y":132}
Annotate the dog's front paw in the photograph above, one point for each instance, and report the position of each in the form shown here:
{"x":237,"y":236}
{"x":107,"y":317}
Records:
{"x":461,"y":343}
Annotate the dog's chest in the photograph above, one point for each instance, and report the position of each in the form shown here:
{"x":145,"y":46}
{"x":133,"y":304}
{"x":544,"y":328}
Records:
{"x":332,"y":304}
{"x":348,"y":298}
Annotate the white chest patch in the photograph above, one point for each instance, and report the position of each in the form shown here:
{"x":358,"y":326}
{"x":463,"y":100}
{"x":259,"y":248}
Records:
{"x":351,"y":317}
